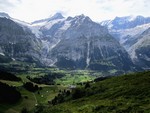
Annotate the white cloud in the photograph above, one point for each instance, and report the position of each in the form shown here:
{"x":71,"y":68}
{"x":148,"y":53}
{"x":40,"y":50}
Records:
{"x":7,"y":5}
{"x":30,"y":10}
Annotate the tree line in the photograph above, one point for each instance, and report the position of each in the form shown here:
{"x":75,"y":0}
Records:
{"x":8,"y":94}
{"x":8,"y":76}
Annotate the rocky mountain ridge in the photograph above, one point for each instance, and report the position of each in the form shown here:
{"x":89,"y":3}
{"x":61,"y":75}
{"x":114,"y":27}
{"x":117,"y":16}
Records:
{"x":131,"y":33}
{"x":75,"y":43}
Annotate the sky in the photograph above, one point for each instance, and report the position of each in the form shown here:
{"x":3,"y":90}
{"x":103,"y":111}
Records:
{"x":97,"y":10}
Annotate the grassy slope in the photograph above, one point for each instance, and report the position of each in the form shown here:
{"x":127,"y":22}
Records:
{"x":123,"y":94}
{"x":46,"y":94}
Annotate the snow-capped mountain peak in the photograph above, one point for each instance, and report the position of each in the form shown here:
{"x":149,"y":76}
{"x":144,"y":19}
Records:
{"x":82,"y":17}
{"x":126,"y":18}
{"x":56,"y":16}
{"x":43,"y":21}
{"x":132,"y":17}
{"x":72,"y":43}
{"x":126,"y":22}
{"x":129,"y":18}
{"x":2,"y":14}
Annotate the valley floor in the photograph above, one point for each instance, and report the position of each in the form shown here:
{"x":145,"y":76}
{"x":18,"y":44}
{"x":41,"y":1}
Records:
{"x":120,"y":94}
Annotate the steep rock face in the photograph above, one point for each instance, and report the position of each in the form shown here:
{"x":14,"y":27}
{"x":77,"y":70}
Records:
{"x":94,"y":52}
{"x":73,"y":42}
{"x":82,"y":43}
{"x":17,"y":43}
{"x":139,"y":51}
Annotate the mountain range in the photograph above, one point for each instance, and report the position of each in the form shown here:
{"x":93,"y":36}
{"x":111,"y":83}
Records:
{"x":133,"y":34}
{"x":77,"y":42}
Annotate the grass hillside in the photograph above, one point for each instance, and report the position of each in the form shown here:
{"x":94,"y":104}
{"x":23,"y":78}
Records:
{"x":123,"y":94}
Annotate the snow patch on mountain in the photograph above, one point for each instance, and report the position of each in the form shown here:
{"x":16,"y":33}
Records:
{"x":55,"y":43}
{"x":126,"y":22}
{"x":36,"y":30}
{"x":132,"y":32}
{"x":52,"y":17}
{"x":88,"y":53}
{"x":2,"y":54}
{"x":39,"y":23}
{"x":66,"y":25}
{"x":132,"y":18}
{"x":51,"y":23}
{"x":56,"y":16}
{"x":22,"y":23}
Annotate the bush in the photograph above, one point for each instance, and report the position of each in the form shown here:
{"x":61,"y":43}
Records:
{"x":78,"y":93}
{"x":30,"y":86}
{"x":24,"y":110}
{"x":47,"y":79}
{"x":8,"y":76}
{"x":87,"y":85}
{"x":8,"y":94}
